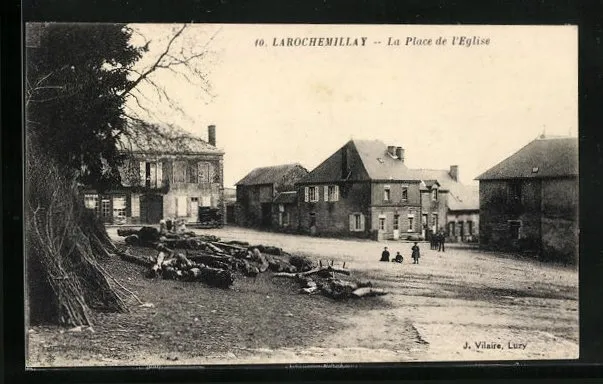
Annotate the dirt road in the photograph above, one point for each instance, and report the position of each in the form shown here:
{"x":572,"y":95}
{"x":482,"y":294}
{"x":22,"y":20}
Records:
{"x":451,"y":306}
{"x":447,"y":306}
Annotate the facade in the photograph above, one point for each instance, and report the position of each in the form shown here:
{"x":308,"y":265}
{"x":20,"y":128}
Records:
{"x":362,"y":190}
{"x":448,"y":205}
{"x":166,"y":174}
{"x":529,"y":201}
{"x":366,"y":190}
{"x":257,"y":193}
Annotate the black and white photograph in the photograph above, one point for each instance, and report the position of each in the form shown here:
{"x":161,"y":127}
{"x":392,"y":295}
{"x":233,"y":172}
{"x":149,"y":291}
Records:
{"x":233,"y":194}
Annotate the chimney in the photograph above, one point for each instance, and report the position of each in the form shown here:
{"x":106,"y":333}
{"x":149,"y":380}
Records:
{"x":211,"y":135}
{"x":400,"y":153}
{"x":454,"y":172}
{"x":391,"y":149}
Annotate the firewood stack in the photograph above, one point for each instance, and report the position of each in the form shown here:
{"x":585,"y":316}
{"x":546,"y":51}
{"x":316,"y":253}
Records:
{"x":207,"y":259}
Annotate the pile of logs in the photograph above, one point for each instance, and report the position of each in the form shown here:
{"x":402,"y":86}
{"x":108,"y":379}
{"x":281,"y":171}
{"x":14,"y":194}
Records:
{"x":214,"y":262}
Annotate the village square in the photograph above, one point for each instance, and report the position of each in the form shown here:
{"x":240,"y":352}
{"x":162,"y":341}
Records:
{"x":367,"y":253}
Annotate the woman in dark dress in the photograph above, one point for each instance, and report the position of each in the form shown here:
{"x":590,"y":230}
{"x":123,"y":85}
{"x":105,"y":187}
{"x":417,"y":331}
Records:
{"x":416,"y":253}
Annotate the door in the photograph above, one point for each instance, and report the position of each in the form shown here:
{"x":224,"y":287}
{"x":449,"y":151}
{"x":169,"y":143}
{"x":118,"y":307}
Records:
{"x":266,"y":214}
{"x":462,"y":230}
{"x":194,"y":209}
{"x":151,"y":208}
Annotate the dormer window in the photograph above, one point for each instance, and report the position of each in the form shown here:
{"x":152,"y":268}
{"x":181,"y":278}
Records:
{"x":434,"y":194}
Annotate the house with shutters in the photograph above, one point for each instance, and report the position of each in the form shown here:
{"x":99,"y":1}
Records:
{"x":167,"y":173}
{"x":364,"y":189}
{"x":266,"y":197}
{"x":448,"y":205}
{"x":529,"y":201}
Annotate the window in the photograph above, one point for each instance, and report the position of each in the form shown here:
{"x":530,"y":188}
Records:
{"x":179,"y":172}
{"x":434,"y":194}
{"x":106,"y":207}
{"x":357,"y":222}
{"x":193,"y":171}
{"x":313,"y":194}
{"x":382,"y":223}
{"x":203,"y":172}
{"x":404,"y":193}
{"x":514,"y":228}
{"x":386,"y":193}
{"x":411,"y":220}
{"x":396,"y":223}
{"x":91,"y":201}
{"x":119,"y":207}
{"x":514,"y":192}
{"x":135,"y":205}
{"x":434,"y":221}
{"x":424,"y":220}
{"x":151,"y":174}
{"x":332,"y":193}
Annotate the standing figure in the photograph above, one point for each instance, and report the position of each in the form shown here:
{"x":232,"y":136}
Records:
{"x":416,"y":253}
{"x":441,"y":241}
{"x":385,"y":255}
{"x":432,"y":239}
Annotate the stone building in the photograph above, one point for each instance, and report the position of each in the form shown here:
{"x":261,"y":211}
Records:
{"x":364,"y":189}
{"x":259,"y":200}
{"x":529,"y":201}
{"x":448,"y":205}
{"x":167,"y":173}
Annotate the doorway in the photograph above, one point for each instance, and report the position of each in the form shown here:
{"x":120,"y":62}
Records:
{"x":266,"y":215}
{"x":151,"y":208}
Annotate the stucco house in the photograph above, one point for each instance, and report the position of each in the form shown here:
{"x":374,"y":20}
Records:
{"x":529,"y":201}
{"x":167,"y":173}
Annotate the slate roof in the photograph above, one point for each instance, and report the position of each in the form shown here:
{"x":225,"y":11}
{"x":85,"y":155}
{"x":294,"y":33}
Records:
{"x":541,"y":158}
{"x":288,"y":197}
{"x":164,"y":138}
{"x":276,"y":174}
{"x":367,"y":160}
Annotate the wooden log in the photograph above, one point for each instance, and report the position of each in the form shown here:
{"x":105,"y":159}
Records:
{"x":325,"y":271}
{"x":227,"y":245}
{"x":127,"y":256}
{"x":132,"y":240}
{"x":125,"y":232}
{"x":302,"y":263}
{"x":309,"y":291}
{"x":368,"y":292}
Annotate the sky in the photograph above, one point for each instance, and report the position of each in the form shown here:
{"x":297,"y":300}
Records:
{"x":470,"y":106}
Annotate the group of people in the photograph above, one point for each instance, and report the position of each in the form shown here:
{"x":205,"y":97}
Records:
{"x":437,"y":241}
{"x":416,"y":254}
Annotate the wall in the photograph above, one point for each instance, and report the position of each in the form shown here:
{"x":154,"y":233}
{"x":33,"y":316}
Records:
{"x":248,"y":209}
{"x":496,"y":210}
{"x":560,"y":229}
{"x":431,"y":207}
{"x":462,"y":218}
{"x":332,"y":218}
{"x":288,"y":209}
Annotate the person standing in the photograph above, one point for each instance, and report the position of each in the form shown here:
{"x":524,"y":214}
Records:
{"x":441,"y":241}
{"x":416,"y":253}
{"x":385,"y":255}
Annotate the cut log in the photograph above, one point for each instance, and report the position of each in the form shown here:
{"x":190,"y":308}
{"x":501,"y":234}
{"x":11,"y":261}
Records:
{"x":127,"y":256}
{"x":132,"y":240}
{"x":325,"y":271}
{"x":302,"y":263}
{"x":368,"y":292}
{"x":125,"y":232}
{"x":338,"y":289}
{"x":310,"y":290}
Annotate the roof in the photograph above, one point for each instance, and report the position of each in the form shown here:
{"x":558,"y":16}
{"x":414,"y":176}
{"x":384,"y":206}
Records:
{"x":461,"y":197}
{"x":367,"y":160}
{"x":164,"y":138}
{"x":541,"y":158}
{"x":276,"y":174}
{"x":289,"y":197}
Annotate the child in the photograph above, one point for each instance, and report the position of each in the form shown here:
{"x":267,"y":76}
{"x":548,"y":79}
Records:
{"x":398,"y":258}
{"x":416,"y":254}
{"x":385,"y":255}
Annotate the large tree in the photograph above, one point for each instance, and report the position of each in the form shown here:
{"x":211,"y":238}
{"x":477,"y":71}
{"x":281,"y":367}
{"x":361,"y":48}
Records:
{"x":78,"y":78}
{"x":76,"y":82}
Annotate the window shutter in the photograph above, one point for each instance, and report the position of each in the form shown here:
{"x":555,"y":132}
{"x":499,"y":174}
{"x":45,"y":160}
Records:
{"x":336,"y":194}
{"x":326,"y":193}
{"x":352,"y":222}
{"x":159,"y":174}
{"x":361,"y":222}
{"x":306,"y":194}
{"x":143,"y":173}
